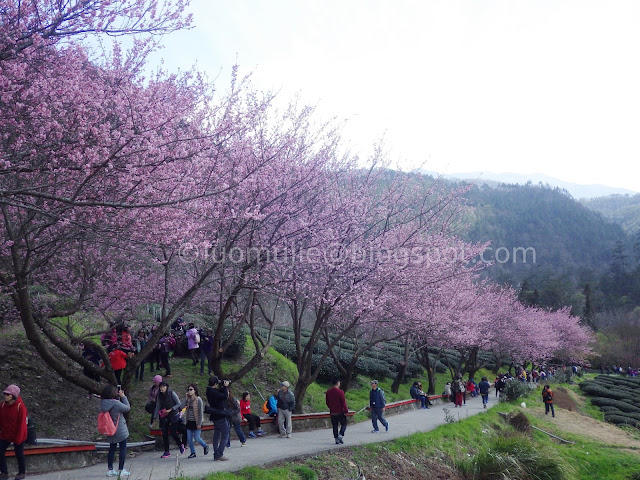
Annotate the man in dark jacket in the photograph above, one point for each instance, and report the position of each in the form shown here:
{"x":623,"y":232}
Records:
{"x":217,"y":394}
{"x":286,"y":404}
{"x":377,"y":402}
{"x":338,"y":409}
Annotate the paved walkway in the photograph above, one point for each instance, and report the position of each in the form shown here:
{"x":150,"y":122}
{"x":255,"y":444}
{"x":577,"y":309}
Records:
{"x":270,"y":448}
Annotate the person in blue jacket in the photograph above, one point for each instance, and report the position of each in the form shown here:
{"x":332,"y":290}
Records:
{"x":377,"y":402}
{"x":484,"y":387}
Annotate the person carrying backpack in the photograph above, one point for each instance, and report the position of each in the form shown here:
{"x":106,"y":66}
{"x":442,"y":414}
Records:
{"x":547,"y":397}
{"x":484,"y":387}
{"x":377,"y":402}
{"x":116,"y":404}
{"x":13,"y":429}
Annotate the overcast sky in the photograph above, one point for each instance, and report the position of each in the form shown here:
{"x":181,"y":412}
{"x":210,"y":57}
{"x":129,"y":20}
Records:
{"x":533,"y":86}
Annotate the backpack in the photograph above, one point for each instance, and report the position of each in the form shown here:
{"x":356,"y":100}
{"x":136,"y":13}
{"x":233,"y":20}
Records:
{"x":197,"y":338}
{"x":265,"y":406}
{"x":106,"y":425}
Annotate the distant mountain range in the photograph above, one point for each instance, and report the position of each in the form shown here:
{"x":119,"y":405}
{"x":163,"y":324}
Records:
{"x":576,"y":190}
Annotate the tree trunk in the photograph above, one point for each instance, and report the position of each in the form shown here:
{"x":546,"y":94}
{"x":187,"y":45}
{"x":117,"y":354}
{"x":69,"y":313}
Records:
{"x":402,"y":370}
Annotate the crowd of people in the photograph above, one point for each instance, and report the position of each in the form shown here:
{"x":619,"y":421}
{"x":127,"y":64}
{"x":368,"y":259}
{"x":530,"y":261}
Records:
{"x":182,"y":420}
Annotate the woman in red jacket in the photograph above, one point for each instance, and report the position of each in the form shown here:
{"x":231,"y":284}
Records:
{"x":13,"y":429}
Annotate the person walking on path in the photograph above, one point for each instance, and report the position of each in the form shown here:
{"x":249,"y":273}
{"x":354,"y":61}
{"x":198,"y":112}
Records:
{"x":167,"y":408}
{"x":286,"y":404}
{"x":13,"y":429}
{"x":547,"y":397}
{"x":194,"y":416}
{"x":484,"y":387}
{"x":338,"y":409}
{"x":254,"y":420}
{"x":115,"y":402}
{"x":217,"y":394}
{"x":377,"y":402}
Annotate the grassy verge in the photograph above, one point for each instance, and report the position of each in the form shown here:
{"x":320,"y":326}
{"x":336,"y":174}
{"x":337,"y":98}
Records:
{"x":479,"y":447}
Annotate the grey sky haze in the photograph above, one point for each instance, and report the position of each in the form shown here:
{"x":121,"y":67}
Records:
{"x":496,"y":86}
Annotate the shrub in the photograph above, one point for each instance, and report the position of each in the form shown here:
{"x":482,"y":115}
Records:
{"x":599,"y":391}
{"x":236,"y":348}
{"x":561,"y":376}
{"x":372,"y":367}
{"x":328,"y":369}
{"x":516,"y":458}
{"x":610,"y":402}
{"x":620,"y":420}
{"x":513,"y":390}
{"x":286,"y":348}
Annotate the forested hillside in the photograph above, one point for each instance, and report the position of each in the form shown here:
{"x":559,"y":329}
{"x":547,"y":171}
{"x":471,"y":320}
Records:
{"x":622,"y":209}
{"x":573,"y":244}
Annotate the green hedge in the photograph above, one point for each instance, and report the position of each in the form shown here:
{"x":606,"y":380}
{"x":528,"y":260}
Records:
{"x":619,"y":420}
{"x":610,"y":402}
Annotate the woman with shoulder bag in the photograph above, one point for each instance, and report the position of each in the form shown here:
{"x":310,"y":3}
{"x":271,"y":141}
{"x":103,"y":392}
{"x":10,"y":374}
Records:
{"x":167,"y":408}
{"x":194,"y":416}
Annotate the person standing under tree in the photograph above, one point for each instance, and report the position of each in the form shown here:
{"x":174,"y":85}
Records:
{"x":286,"y":404}
{"x":13,"y":429}
{"x":338,"y":409}
{"x":167,"y":407}
{"x":193,"y":341}
{"x":377,"y":403}
{"x":115,"y":402}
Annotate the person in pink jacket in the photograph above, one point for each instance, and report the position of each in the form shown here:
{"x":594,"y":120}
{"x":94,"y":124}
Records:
{"x":13,"y":429}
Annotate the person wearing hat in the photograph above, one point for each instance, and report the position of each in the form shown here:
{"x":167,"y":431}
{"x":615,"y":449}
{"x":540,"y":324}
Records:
{"x":150,"y":407}
{"x":377,"y":402}
{"x":13,"y":429}
{"x":286,"y":404}
{"x":167,"y":408}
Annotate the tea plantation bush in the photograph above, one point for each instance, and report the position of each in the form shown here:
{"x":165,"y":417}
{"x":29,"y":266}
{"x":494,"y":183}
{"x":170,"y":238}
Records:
{"x":619,"y":420}
{"x":617,"y":397}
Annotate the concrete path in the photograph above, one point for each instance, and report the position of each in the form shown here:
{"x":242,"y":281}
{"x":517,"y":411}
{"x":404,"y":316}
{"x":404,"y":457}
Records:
{"x":270,"y":448}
